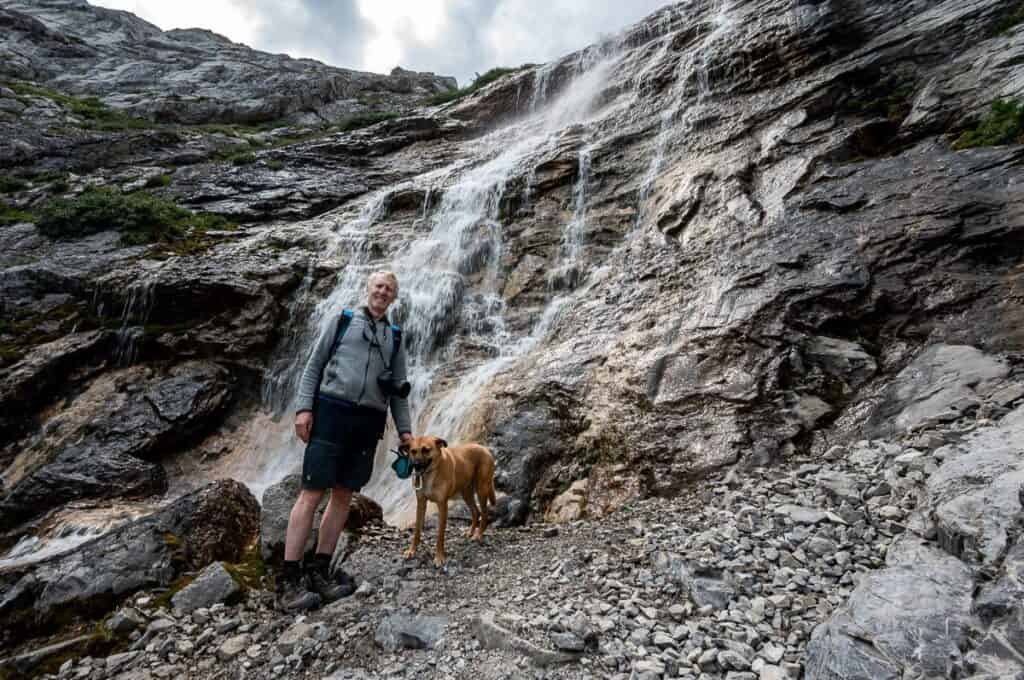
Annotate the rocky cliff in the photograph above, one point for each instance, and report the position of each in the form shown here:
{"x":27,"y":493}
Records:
{"x":736,"y":238}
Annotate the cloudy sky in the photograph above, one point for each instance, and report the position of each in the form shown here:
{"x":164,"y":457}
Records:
{"x":450,"y":37}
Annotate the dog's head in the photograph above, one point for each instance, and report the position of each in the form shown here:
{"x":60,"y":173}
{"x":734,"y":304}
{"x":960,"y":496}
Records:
{"x":423,"y":450}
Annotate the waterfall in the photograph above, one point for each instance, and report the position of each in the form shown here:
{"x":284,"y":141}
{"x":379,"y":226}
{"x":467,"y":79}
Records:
{"x":451,"y":302}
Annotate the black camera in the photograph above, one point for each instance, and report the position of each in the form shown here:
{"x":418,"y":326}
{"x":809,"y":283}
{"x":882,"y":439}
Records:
{"x":391,"y":387}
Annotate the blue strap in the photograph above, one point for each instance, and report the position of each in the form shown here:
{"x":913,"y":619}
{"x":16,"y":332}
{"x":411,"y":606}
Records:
{"x":396,"y":330}
{"x":343,"y":323}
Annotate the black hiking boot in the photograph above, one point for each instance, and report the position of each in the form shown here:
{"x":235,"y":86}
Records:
{"x":330,"y":587}
{"x":294,"y":593}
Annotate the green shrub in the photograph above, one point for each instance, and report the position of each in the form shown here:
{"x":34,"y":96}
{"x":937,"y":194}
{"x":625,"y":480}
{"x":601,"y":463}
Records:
{"x":365,"y":120}
{"x":1003,"y":125}
{"x":10,"y":184}
{"x":140,"y":217}
{"x":98,"y":115}
{"x":9,"y":215}
{"x":245,"y":158}
{"x":478,"y":82}
{"x":158,"y":181}
{"x":895,"y":105}
{"x":1007,"y":24}
{"x":274,"y":164}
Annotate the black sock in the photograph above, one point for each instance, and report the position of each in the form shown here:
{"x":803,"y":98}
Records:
{"x":291,"y":569}
{"x":322,"y":562}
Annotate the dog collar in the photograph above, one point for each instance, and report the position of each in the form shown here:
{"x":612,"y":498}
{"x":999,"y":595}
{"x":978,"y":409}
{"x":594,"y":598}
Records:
{"x":417,"y":475}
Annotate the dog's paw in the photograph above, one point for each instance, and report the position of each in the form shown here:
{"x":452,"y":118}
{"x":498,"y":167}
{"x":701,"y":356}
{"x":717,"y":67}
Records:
{"x":409,"y":554}
{"x":468,"y":533}
{"x":478,"y":537}
{"x":439,"y":562}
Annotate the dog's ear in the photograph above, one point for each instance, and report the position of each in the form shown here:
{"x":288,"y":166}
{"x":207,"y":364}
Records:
{"x":441,"y":444}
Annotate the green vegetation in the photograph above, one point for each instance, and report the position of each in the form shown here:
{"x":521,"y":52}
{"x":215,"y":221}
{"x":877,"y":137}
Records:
{"x":478,"y":82}
{"x":98,"y":115}
{"x":9,"y":184}
{"x":10,"y":215}
{"x":895,"y":106}
{"x":245,"y":158}
{"x":1003,"y":125}
{"x":365,"y":120}
{"x":274,"y":164}
{"x":140,"y":217}
{"x":250,"y":572}
{"x":22,"y":329}
{"x":158,"y":181}
{"x":1007,"y":24}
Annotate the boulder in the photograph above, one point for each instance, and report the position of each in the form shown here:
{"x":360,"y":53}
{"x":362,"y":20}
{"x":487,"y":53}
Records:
{"x":940,"y":384}
{"x":402,"y":630}
{"x":278,"y":500}
{"x":910,"y":619}
{"x":104,"y":443}
{"x":214,"y":584}
{"x":973,"y":499}
{"x":216,"y":522}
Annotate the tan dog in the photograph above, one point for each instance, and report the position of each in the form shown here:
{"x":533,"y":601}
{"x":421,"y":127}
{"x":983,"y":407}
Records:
{"x":441,"y":472}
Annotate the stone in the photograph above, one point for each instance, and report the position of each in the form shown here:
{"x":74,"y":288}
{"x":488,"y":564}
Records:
{"x":278,"y":500}
{"x":232,"y":647}
{"x":491,"y":635}
{"x":214,"y":584}
{"x":801,"y":515}
{"x":214,"y":522}
{"x":409,"y":631}
{"x":973,"y":497}
{"x":570,"y":505}
{"x":939,"y":381}
{"x":916,"y":611}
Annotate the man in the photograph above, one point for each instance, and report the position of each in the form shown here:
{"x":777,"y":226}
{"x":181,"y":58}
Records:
{"x":341,"y":414}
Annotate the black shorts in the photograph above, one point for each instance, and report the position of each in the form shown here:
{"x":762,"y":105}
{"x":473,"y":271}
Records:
{"x":342,"y":445}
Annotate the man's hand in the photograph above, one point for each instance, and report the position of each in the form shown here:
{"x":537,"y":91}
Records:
{"x":405,"y":437}
{"x":304,"y":425}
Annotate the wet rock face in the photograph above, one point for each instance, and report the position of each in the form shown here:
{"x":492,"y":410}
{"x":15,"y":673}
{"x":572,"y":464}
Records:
{"x":216,"y":522}
{"x":107,"y":442}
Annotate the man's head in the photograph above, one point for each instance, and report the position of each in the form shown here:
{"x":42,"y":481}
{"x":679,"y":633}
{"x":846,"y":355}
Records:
{"x":381,"y":291}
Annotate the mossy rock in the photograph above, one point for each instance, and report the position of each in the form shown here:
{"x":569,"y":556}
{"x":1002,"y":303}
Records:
{"x":140,"y":217}
{"x":1003,"y":125}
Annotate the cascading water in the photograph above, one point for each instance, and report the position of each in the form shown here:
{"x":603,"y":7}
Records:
{"x":450,"y":296}
{"x":692,"y":64}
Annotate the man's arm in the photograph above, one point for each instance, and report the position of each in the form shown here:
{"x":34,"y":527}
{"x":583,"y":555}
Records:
{"x":400,"y":405}
{"x":314,"y":370}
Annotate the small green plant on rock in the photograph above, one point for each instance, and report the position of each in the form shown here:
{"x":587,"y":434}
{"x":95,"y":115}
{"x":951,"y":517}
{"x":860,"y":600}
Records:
{"x":1007,"y":24}
{"x":1003,"y":125}
{"x":140,"y":217}
{"x":480,"y":81}
{"x":10,"y":185}
{"x":10,"y":215}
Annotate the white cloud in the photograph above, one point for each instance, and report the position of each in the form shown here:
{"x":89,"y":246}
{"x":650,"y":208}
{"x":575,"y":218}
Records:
{"x":451,"y":37}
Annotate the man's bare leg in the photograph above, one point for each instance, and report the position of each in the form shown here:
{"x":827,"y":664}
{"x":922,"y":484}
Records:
{"x":335,"y":517}
{"x":300,"y":523}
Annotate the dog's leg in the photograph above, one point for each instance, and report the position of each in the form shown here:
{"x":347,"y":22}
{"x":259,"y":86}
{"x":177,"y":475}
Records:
{"x":485,"y":491}
{"x":421,"y":511}
{"x":442,"y":524}
{"x":467,"y":495}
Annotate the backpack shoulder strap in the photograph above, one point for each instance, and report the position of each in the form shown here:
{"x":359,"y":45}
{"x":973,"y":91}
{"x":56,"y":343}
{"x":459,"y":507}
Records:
{"x":343,"y":324}
{"x":396,"y":331}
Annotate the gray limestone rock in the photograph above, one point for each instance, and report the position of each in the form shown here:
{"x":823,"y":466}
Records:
{"x":214,"y":584}
{"x":912,"y":617}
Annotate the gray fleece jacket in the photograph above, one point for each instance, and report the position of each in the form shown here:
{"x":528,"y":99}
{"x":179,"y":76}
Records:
{"x":351,"y":372}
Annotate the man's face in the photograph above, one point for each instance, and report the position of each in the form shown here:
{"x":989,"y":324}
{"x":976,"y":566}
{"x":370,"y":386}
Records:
{"x":381,"y":293}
